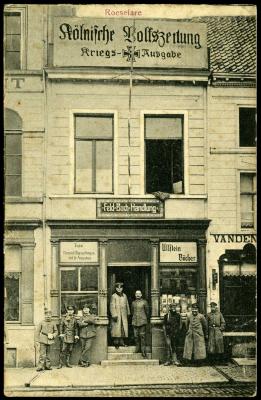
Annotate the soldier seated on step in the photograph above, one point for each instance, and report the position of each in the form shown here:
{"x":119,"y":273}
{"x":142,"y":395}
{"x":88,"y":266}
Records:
{"x":171,"y":328}
{"x":45,"y":334}
{"x":68,"y":335}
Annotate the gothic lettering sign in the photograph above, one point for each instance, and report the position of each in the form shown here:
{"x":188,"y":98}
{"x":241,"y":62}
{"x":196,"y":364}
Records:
{"x":129,"y":208}
{"x":78,"y":252}
{"x":178,"y":252}
{"x":80,"y":42}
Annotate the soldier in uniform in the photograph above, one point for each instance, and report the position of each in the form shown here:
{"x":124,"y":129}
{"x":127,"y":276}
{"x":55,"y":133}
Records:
{"x":45,"y":333}
{"x":216,"y":325}
{"x":87,"y":330}
{"x":171,"y":328}
{"x":119,"y":309}
{"x":69,"y":335}
{"x":140,"y":315}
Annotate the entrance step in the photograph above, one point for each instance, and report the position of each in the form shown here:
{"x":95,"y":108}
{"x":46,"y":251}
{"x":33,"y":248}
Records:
{"x":122,"y":349}
{"x":106,"y":363}
{"x":127,"y":356}
{"x":244,"y":361}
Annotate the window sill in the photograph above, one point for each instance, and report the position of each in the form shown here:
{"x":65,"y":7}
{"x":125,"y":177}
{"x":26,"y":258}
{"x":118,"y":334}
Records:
{"x":238,"y":150}
{"x":17,"y":199}
{"x":125,"y":196}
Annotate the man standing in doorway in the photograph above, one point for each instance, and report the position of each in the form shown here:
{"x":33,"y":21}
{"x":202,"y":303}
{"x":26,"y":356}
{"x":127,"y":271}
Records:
{"x":120,"y":310}
{"x":140,"y":315}
{"x":171,"y":328}
{"x":195,"y":346}
{"x":216,"y":325}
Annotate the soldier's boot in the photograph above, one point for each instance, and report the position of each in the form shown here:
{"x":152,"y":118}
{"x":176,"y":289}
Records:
{"x":61,"y":364}
{"x":137,"y":344}
{"x":67,"y":362}
{"x":143,"y":346}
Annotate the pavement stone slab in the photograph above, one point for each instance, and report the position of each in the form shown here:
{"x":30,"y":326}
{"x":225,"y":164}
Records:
{"x":18,"y":376}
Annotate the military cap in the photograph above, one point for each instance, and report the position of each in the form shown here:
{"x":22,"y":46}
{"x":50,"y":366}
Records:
{"x":194,"y":306}
{"x":85,"y":306}
{"x":119,"y":284}
{"x":70,"y":308}
{"x":213,"y":303}
{"x":48,"y":312}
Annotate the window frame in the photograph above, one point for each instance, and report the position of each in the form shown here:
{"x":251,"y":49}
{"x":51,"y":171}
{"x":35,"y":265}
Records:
{"x":88,"y":112}
{"x":22,"y":10}
{"x":165,"y":113}
{"x":20,"y":133}
{"x":242,"y":148}
{"x":19,"y":321}
{"x":240,"y":228}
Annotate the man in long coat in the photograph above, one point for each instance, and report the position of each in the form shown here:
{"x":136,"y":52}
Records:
{"x":216,"y":325}
{"x":120,"y":310}
{"x":195,"y":346}
{"x":140,"y":316}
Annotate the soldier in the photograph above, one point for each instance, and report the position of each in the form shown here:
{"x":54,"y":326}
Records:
{"x":120,"y":310}
{"x":216,"y":325}
{"x":140,"y":315}
{"x":69,"y":335}
{"x":195,"y":346}
{"x":45,"y":334}
{"x":171,"y":328}
{"x":87,"y":329}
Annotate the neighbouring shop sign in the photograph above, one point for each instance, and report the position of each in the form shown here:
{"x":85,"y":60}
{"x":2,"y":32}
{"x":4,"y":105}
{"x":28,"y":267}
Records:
{"x":78,"y":252}
{"x":178,"y":252}
{"x":91,"y":42}
{"x":130,"y":208}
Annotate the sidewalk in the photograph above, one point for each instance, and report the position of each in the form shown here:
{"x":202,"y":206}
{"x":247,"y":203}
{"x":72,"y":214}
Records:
{"x":97,"y":376}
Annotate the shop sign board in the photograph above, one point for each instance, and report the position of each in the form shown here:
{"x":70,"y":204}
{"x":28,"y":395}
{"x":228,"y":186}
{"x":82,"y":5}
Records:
{"x":130,"y":208}
{"x":94,"y":42}
{"x":178,"y":252}
{"x":78,"y":252}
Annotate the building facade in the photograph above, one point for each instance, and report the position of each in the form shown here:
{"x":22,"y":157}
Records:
{"x":131,"y":163}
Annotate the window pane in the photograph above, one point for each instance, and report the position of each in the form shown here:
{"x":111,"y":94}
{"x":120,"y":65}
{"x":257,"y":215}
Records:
{"x":12,"y":60}
{"x":13,"y":185}
{"x":103,"y":166}
{"x":83,"y":166}
{"x":128,"y":250}
{"x":246,"y":183}
{"x":13,"y":165}
{"x":69,"y":280}
{"x":13,"y":144}
{"x":13,"y":23}
{"x":13,"y":42}
{"x":89,"y":278}
{"x":12,"y":297}
{"x":163,"y":127}
{"x":94,"y":126}
{"x":78,"y":300}
{"x":247,"y":127}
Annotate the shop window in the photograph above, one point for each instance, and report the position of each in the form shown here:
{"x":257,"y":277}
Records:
{"x":247,"y":199}
{"x":247,"y":126}
{"x":13,"y":153}
{"x":93,"y":153}
{"x":164,"y":154}
{"x":79,"y":286}
{"x":12,"y":294}
{"x":129,"y":250}
{"x":177,"y":285}
{"x":12,"y":30}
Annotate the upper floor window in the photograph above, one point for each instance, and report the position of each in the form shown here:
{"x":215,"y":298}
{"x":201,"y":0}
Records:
{"x":247,"y":126}
{"x":13,"y":153}
{"x":247,"y":199}
{"x":12,"y":24}
{"x":94,"y":153}
{"x":164,"y":153}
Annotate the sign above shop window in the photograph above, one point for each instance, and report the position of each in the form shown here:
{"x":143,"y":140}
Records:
{"x":91,"y":42}
{"x":130,"y":208}
{"x":178,"y":252}
{"x":78,"y":252}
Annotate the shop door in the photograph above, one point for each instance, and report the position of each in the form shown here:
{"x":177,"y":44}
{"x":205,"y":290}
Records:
{"x":133,"y":278}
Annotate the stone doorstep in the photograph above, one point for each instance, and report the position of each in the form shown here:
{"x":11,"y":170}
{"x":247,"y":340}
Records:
{"x":127,"y":356}
{"x":146,"y":361}
{"x":244,"y":361}
{"x":122,"y":349}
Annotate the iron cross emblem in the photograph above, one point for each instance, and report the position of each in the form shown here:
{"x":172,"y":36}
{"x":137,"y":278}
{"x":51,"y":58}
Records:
{"x":131,"y":53}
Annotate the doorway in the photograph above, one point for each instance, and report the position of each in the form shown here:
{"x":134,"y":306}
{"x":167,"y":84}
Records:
{"x":134,"y":278}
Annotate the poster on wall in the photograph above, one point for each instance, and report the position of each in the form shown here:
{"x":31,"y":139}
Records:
{"x":130,"y":199}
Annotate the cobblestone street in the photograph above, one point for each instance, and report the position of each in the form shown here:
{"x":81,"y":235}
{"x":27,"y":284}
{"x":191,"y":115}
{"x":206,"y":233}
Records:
{"x":224,"y":390}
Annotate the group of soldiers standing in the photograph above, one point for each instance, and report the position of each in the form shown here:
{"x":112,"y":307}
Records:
{"x":203,"y":335}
